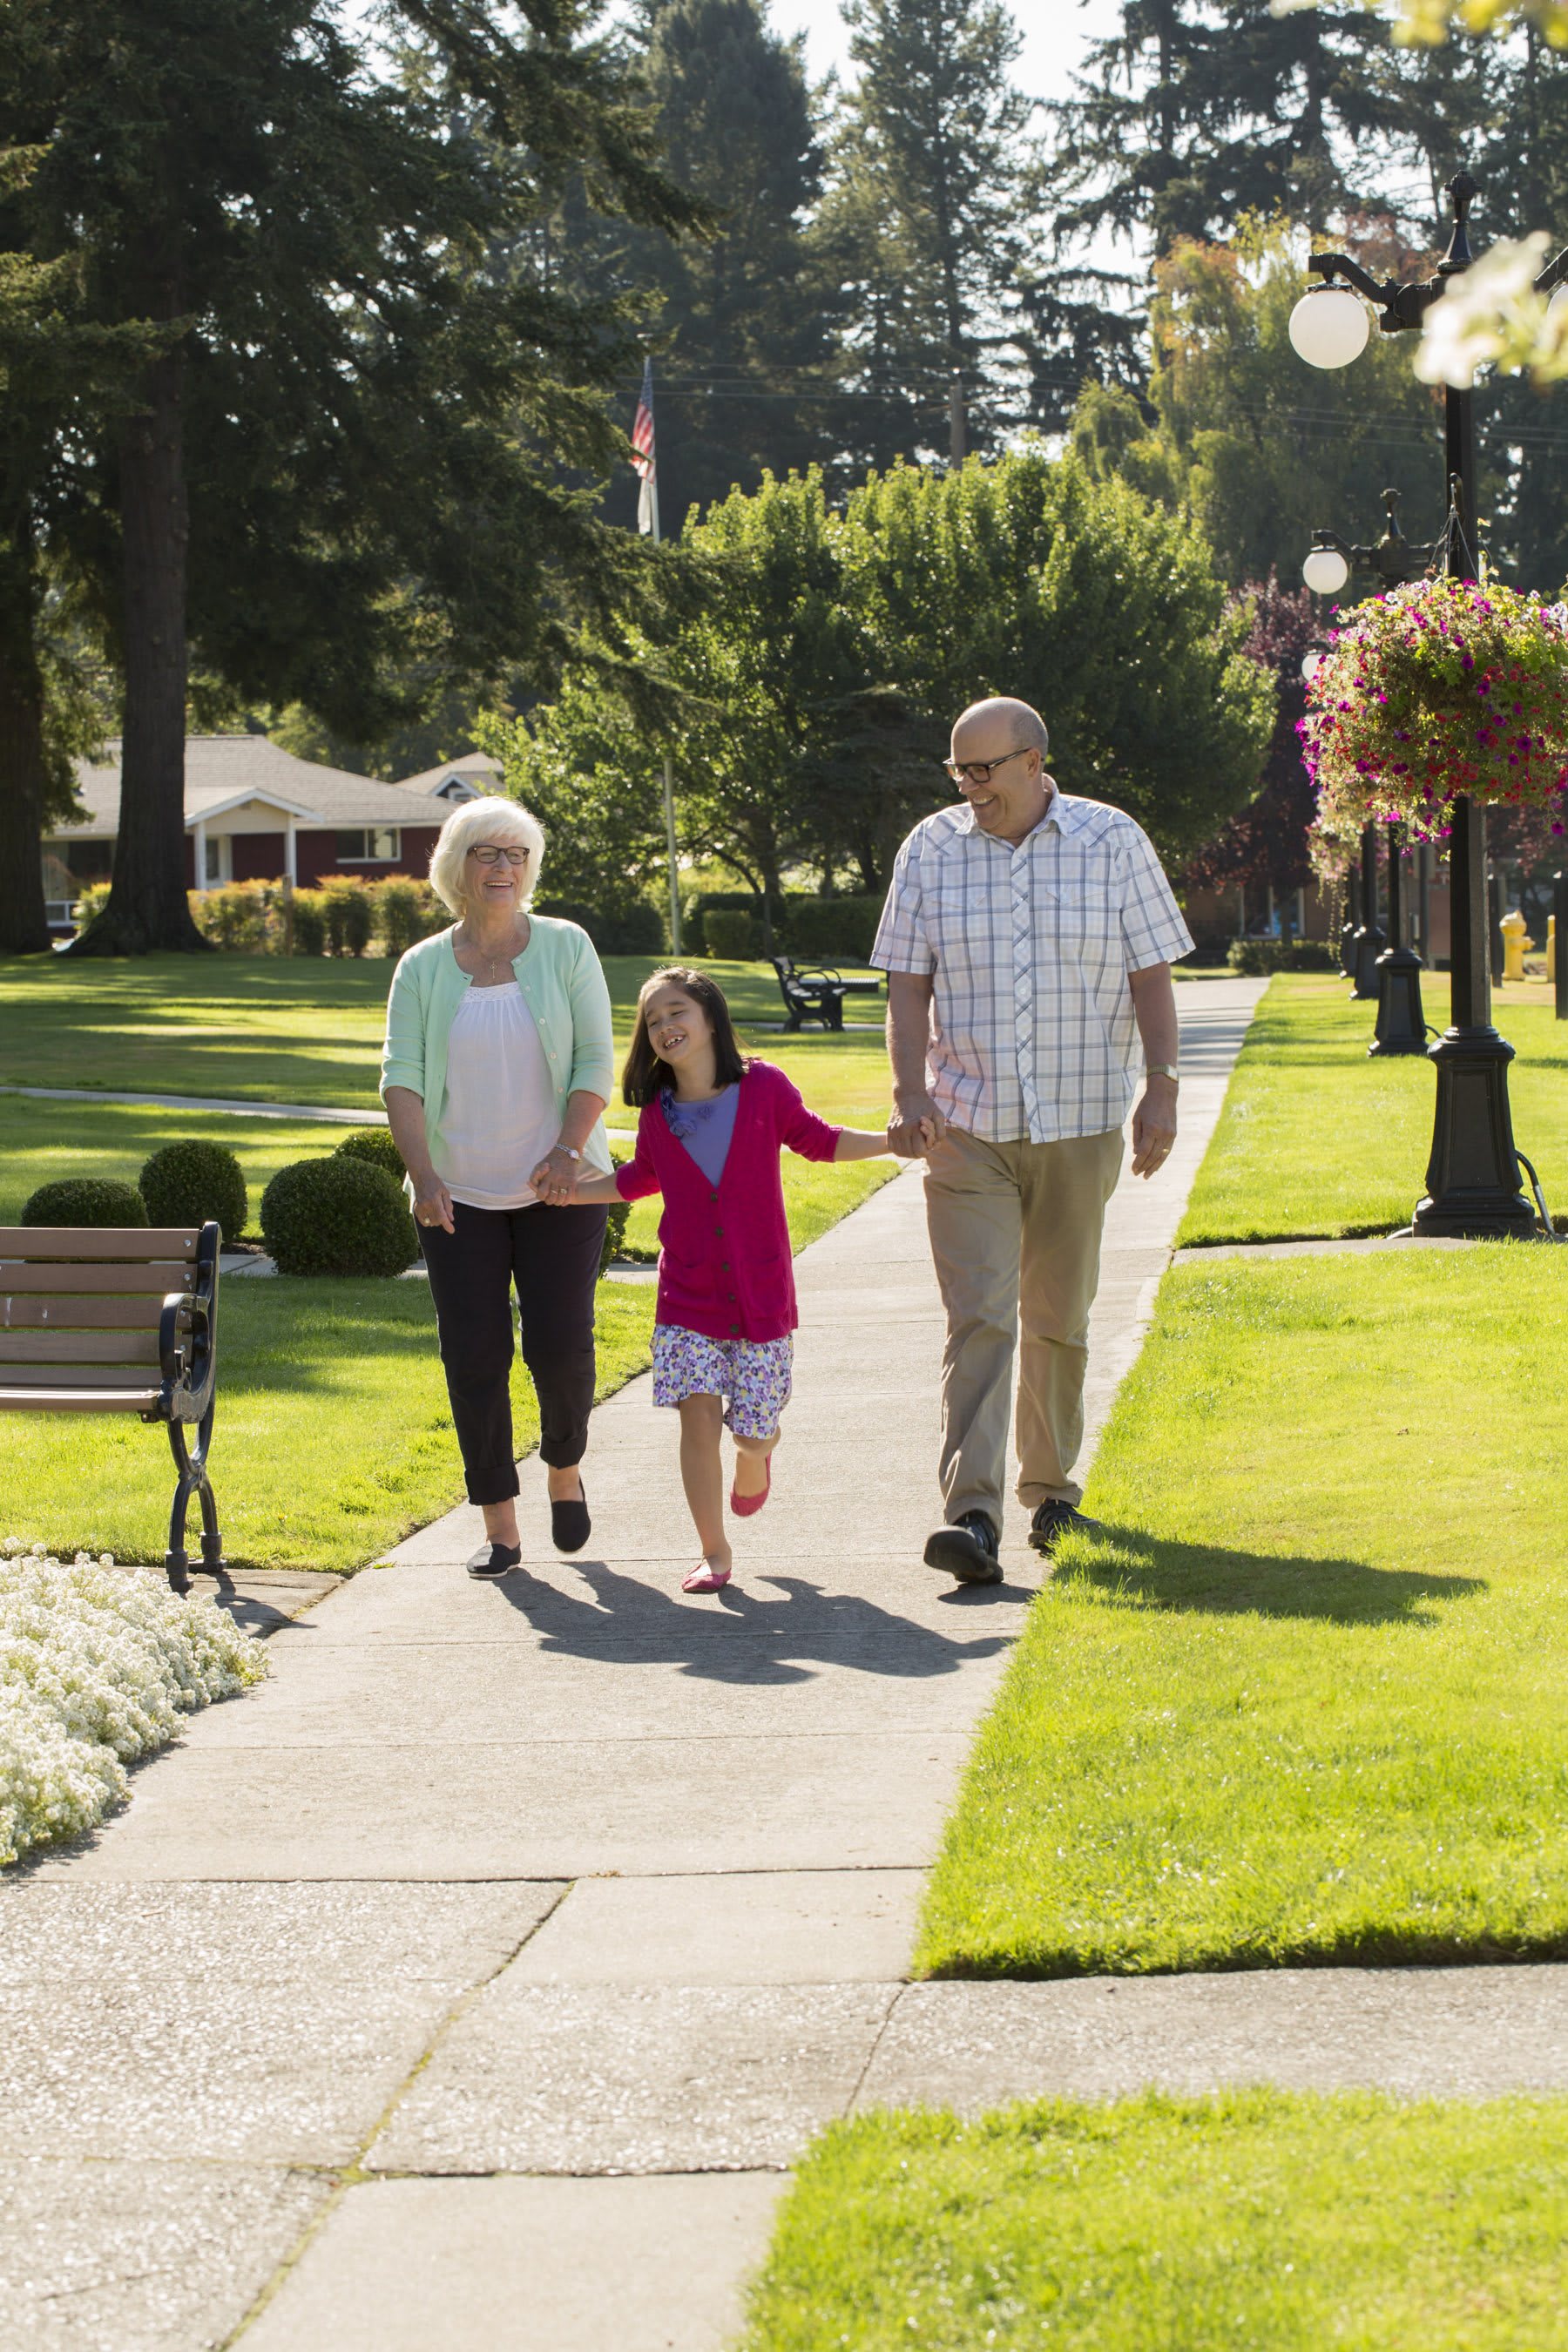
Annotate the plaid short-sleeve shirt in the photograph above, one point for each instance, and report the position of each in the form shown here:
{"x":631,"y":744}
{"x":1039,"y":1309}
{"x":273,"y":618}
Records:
{"x":1033,"y":1032}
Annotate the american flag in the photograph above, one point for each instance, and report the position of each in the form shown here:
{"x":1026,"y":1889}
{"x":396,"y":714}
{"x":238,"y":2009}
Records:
{"x":642,"y":442}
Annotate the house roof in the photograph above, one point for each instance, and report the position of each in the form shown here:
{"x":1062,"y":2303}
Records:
{"x":224,"y":771}
{"x":476,"y":769}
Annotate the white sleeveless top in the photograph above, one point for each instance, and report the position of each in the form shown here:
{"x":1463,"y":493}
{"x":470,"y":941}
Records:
{"x":499,"y":1118}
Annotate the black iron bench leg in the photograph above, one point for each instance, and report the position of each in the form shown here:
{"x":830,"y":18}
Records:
{"x":192,"y":1481}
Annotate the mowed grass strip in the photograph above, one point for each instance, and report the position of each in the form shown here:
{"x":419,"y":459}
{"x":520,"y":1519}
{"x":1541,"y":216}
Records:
{"x":1315,"y":1140}
{"x":1258,"y":2218}
{"x":257,"y":1028}
{"x":332,"y":1440}
{"x":1303,"y":1700}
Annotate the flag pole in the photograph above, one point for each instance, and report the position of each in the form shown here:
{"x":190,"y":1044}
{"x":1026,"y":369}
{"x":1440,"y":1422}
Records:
{"x":648,"y":521}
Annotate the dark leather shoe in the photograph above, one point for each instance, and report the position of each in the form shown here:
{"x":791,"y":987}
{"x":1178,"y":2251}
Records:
{"x":967,"y":1550}
{"x":1054,"y":1520}
{"x":495,"y":1560}
{"x":570,"y":1526}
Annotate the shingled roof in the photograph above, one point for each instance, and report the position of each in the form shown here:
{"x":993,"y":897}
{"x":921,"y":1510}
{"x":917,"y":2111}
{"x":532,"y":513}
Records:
{"x":223,"y":771}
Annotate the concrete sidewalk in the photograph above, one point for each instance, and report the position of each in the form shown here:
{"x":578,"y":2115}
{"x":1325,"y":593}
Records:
{"x":474,"y":1980}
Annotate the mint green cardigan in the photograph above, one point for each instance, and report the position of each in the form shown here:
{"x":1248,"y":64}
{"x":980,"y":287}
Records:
{"x":563,"y":986}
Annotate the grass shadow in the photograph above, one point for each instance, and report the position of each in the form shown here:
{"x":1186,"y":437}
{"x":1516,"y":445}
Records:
{"x":1143,"y":1571}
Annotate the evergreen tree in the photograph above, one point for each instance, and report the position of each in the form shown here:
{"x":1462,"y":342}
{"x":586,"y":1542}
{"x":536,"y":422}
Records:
{"x":1196,"y":113}
{"x":351,"y":441}
{"x":928,"y":165}
{"x":740,"y":317}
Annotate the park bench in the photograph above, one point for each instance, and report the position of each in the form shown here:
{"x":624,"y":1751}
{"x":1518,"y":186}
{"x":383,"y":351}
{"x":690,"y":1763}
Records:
{"x":815,"y":993}
{"x":119,"y":1319}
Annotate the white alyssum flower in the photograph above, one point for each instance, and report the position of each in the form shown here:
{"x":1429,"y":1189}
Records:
{"x":1491,"y":313}
{"x":97,"y":1666}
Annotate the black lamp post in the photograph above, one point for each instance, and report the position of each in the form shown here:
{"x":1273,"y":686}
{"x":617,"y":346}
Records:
{"x":1400,"y":1017}
{"x":1371,"y":939}
{"x":1473,"y":1175}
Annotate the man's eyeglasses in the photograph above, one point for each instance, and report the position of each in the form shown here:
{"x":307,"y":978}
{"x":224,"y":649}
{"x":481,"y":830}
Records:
{"x":490,"y":852}
{"x":980,"y":772}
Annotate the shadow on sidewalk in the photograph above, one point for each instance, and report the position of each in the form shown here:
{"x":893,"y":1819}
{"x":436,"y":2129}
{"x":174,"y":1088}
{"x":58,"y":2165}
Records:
{"x":749,"y":1637}
{"x":1125,"y":1564}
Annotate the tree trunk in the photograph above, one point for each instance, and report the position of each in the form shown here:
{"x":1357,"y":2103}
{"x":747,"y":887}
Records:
{"x":148,"y":908}
{"x":24,"y":928}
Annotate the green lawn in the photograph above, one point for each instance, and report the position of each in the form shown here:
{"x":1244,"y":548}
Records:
{"x":1303,"y":1700}
{"x":259,"y":1028}
{"x":334,"y":1438}
{"x":1259,"y":2220}
{"x":1316,"y":1139}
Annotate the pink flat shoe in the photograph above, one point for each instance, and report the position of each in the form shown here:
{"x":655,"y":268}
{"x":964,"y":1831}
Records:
{"x":744,"y":1504}
{"x":704,"y":1579}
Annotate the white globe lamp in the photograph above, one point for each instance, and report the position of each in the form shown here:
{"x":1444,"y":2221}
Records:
{"x":1329,"y":327}
{"x":1559,"y":303}
{"x":1311,"y":664}
{"x":1325,"y":571}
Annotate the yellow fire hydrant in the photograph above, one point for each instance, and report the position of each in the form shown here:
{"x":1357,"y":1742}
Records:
{"x":1515,"y":940}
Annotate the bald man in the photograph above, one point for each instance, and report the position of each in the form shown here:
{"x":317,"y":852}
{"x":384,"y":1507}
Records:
{"x":1028,"y":940}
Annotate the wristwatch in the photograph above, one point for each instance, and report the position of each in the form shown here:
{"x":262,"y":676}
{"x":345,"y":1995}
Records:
{"x":566,"y":1148}
{"x":1163,"y":1070}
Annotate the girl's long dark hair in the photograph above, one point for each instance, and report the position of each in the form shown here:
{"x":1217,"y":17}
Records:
{"x":644,"y":1075}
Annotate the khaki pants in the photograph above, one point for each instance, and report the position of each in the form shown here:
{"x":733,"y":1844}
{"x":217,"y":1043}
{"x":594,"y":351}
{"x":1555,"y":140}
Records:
{"x":1014,"y":1233}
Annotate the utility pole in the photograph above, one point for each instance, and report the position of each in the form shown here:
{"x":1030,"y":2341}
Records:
{"x":958,"y":445}
{"x":646,"y":464}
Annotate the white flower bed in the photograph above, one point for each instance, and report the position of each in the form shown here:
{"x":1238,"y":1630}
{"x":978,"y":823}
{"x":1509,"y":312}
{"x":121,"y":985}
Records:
{"x":97,"y":1666}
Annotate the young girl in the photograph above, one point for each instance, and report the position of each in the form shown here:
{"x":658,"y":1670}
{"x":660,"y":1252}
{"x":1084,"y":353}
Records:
{"x":708,"y":1139}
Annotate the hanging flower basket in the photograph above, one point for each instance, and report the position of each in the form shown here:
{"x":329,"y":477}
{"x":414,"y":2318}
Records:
{"x":1440,"y":688}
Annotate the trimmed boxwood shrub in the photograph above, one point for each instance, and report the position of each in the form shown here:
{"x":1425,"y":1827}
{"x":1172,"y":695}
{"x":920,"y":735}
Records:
{"x":86,"y":1201}
{"x":697,"y":909}
{"x":337,"y":1215}
{"x":839,"y":930}
{"x":193,"y":1180}
{"x":614,"y":1233}
{"x":1257,"y":957}
{"x":730,"y":934}
{"x":373,"y":1145}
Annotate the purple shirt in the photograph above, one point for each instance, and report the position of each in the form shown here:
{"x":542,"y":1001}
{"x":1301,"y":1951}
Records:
{"x":705,"y":1127}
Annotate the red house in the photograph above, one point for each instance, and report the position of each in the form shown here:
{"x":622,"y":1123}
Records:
{"x":254,"y":813}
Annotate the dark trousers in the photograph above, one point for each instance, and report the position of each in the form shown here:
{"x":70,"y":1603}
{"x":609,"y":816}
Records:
{"x":552,"y":1256}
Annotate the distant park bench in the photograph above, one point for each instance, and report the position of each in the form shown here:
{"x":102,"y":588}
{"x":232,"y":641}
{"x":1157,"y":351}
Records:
{"x":119,"y":1319}
{"x":815,"y":993}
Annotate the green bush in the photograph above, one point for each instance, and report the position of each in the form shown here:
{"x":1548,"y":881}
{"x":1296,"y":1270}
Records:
{"x":614,"y":1233}
{"x":91,"y":903}
{"x":731,"y":934}
{"x":694,"y":916}
{"x":631,"y":926}
{"x":1256,"y":958}
{"x":841,"y":930}
{"x":349,"y":913}
{"x":310,"y":923}
{"x":191,"y":1180}
{"x":406,"y":912}
{"x":86,"y":1201}
{"x":240,"y":916}
{"x":337,"y":1215}
{"x":374,"y":1145}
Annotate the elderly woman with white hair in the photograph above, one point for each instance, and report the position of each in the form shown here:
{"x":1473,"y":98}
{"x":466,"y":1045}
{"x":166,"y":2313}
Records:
{"x":496,"y":1072}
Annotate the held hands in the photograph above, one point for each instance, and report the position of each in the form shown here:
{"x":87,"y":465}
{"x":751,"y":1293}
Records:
{"x":1153,"y":1127}
{"x":555,"y":1180}
{"x":915,"y":1126}
{"x":432,"y":1201}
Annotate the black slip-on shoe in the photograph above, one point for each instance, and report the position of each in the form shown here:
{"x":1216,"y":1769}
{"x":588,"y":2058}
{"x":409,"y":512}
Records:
{"x":1054,"y":1520}
{"x":570,"y":1526}
{"x":494,"y":1559}
{"x":967,"y":1550}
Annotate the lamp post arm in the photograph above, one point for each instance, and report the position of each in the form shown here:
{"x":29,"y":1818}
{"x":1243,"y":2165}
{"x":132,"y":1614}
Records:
{"x":1340,"y":264}
{"x":1554,"y":274}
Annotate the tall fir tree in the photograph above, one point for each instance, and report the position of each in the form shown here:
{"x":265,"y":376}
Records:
{"x":928,"y":171}
{"x":353,"y":437}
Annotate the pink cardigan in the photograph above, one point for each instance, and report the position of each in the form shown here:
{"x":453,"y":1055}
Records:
{"x":724,"y":1263}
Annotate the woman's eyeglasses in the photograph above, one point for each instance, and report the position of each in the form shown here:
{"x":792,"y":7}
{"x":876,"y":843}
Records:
{"x":490,"y":852}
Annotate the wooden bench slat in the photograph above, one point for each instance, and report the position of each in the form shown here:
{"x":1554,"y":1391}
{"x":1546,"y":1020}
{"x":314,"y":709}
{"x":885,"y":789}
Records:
{"x":78,"y":1346}
{"x":133,"y":1242}
{"x":21,"y":1378}
{"x":159,"y":1276}
{"x":32,"y":1311}
{"x":80,"y":1400}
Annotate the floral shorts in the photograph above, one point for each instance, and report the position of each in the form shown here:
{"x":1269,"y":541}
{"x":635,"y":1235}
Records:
{"x":751,"y":1374}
